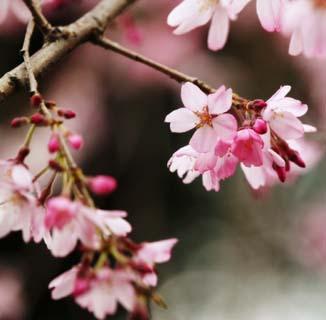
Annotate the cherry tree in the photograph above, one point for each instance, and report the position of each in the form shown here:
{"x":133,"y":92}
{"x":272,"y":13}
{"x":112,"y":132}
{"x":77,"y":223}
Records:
{"x":265,"y":137}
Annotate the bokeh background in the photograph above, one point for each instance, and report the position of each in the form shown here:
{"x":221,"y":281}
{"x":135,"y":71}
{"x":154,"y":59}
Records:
{"x":242,"y":255}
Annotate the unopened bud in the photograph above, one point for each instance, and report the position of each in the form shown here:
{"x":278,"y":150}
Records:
{"x":36,"y":100}
{"x":281,"y":172}
{"x":18,"y":122}
{"x":54,"y":143}
{"x":76,"y":141}
{"x":55,"y":166}
{"x":258,"y":104}
{"x":295,"y":157}
{"x":68,"y":114}
{"x":39,"y":119}
{"x":103,"y":185}
{"x":260,"y":126}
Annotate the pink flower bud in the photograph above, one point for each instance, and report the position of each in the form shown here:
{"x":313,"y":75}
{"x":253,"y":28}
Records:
{"x":295,"y":157}
{"x":258,"y":104}
{"x":59,"y":212}
{"x":18,"y":122}
{"x":76,"y":141}
{"x":39,"y":119}
{"x":281,"y":172}
{"x":36,"y":100}
{"x":68,"y":114}
{"x":103,"y":185}
{"x":260,"y":126}
{"x":54,"y":144}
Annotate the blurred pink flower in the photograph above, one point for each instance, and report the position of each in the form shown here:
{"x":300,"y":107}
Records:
{"x":191,"y":14}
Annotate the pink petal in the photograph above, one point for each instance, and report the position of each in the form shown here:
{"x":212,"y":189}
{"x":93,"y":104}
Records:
{"x":220,"y":101}
{"x":219,"y":29}
{"x":204,"y":139}
{"x":269,"y":13}
{"x":205,"y":162}
{"x":192,"y":97}
{"x":287,"y":126}
{"x":255,"y":176}
{"x":182,"y":120}
{"x":225,"y":126}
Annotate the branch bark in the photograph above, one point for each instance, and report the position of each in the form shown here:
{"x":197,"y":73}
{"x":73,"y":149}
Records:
{"x":92,"y":23}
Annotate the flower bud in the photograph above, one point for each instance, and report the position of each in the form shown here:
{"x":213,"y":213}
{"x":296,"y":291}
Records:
{"x":54,"y":165}
{"x":281,"y":172}
{"x":296,"y":158}
{"x":68,"y":114}
{"x":36,"y":100}
{"x":258,"y":104}
{"x":260,"y":126}
{"x":102,"y":185}
{"x":54,"y":143}
{"x":18,"y":122}
{"x":39,"y":119}
{"x":76,"y":141}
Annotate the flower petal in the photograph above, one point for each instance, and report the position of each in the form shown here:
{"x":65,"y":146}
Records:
{"x":192,"y":97}
{"x":181,"y":120}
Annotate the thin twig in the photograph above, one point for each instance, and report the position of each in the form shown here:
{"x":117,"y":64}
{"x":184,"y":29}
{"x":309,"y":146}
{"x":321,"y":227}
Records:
{"x":172,"y":73}
{"x":94,"y":21}
{"x":43,"y":24}
{"x":26,"y":56}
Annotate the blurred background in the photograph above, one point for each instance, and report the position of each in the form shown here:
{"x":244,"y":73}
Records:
{"x":242,"y":255}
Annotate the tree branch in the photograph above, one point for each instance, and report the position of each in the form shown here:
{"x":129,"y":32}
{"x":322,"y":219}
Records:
{"x":172,"y":73}
{"x":81,"y":31}
{"x":27,"y":59}
{"x":43,"y":24}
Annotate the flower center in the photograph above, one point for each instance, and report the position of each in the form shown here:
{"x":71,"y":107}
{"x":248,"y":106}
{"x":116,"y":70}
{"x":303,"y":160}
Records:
{"x":205,"y":118}
{"x":207,"y":4}
{"x":320,"y":4}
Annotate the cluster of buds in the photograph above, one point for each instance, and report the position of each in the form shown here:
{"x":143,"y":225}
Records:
{"x":261,"y":136}
{"x":113,"y":269}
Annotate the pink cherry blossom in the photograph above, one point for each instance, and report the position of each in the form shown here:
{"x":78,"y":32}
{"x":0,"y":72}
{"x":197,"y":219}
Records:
{"x":151,"y":253}
{"x":305,"y":22}
{"x":207,"y":114}
{"x":270,"y":14}
{"x":104,"y":290}
{"x":70,"y":222}
{"x":282,"y":114}
{"x":20,"y":210}
{"x":191,"y":14}
{"x":76,"y":141}
{"x":247,"y":147}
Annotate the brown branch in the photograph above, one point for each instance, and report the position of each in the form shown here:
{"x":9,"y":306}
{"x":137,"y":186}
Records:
{"x":27,"y":60}
{"x":43,"y":24}
{"x":170,"y":72}
{"x":81,"y":31}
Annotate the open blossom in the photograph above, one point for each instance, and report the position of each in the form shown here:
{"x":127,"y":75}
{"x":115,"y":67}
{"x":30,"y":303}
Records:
{"x":99,"y":292}
{"x":70,"y":222}
{"x":265,"y":145}
{"x":305,"y":22}
{"x":282,"y":114}
{"x":19,"y":207}
{"x":191,"y":14}
{"x":102,"y":288}
{"x":151,"y":253}
{"x":206,"y":113}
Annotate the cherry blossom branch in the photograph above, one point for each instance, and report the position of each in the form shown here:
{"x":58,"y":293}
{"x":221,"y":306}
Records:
{"x":43,"y":24}
{"x":27,"y":60}
{"x":81,"y":31}
{"x":172,"y":73}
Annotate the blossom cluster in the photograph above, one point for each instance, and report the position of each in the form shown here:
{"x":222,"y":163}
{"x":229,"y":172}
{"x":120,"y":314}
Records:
{"x":302,"y":20}
{"x":113,"y":270}
{"x":264,"y":137}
